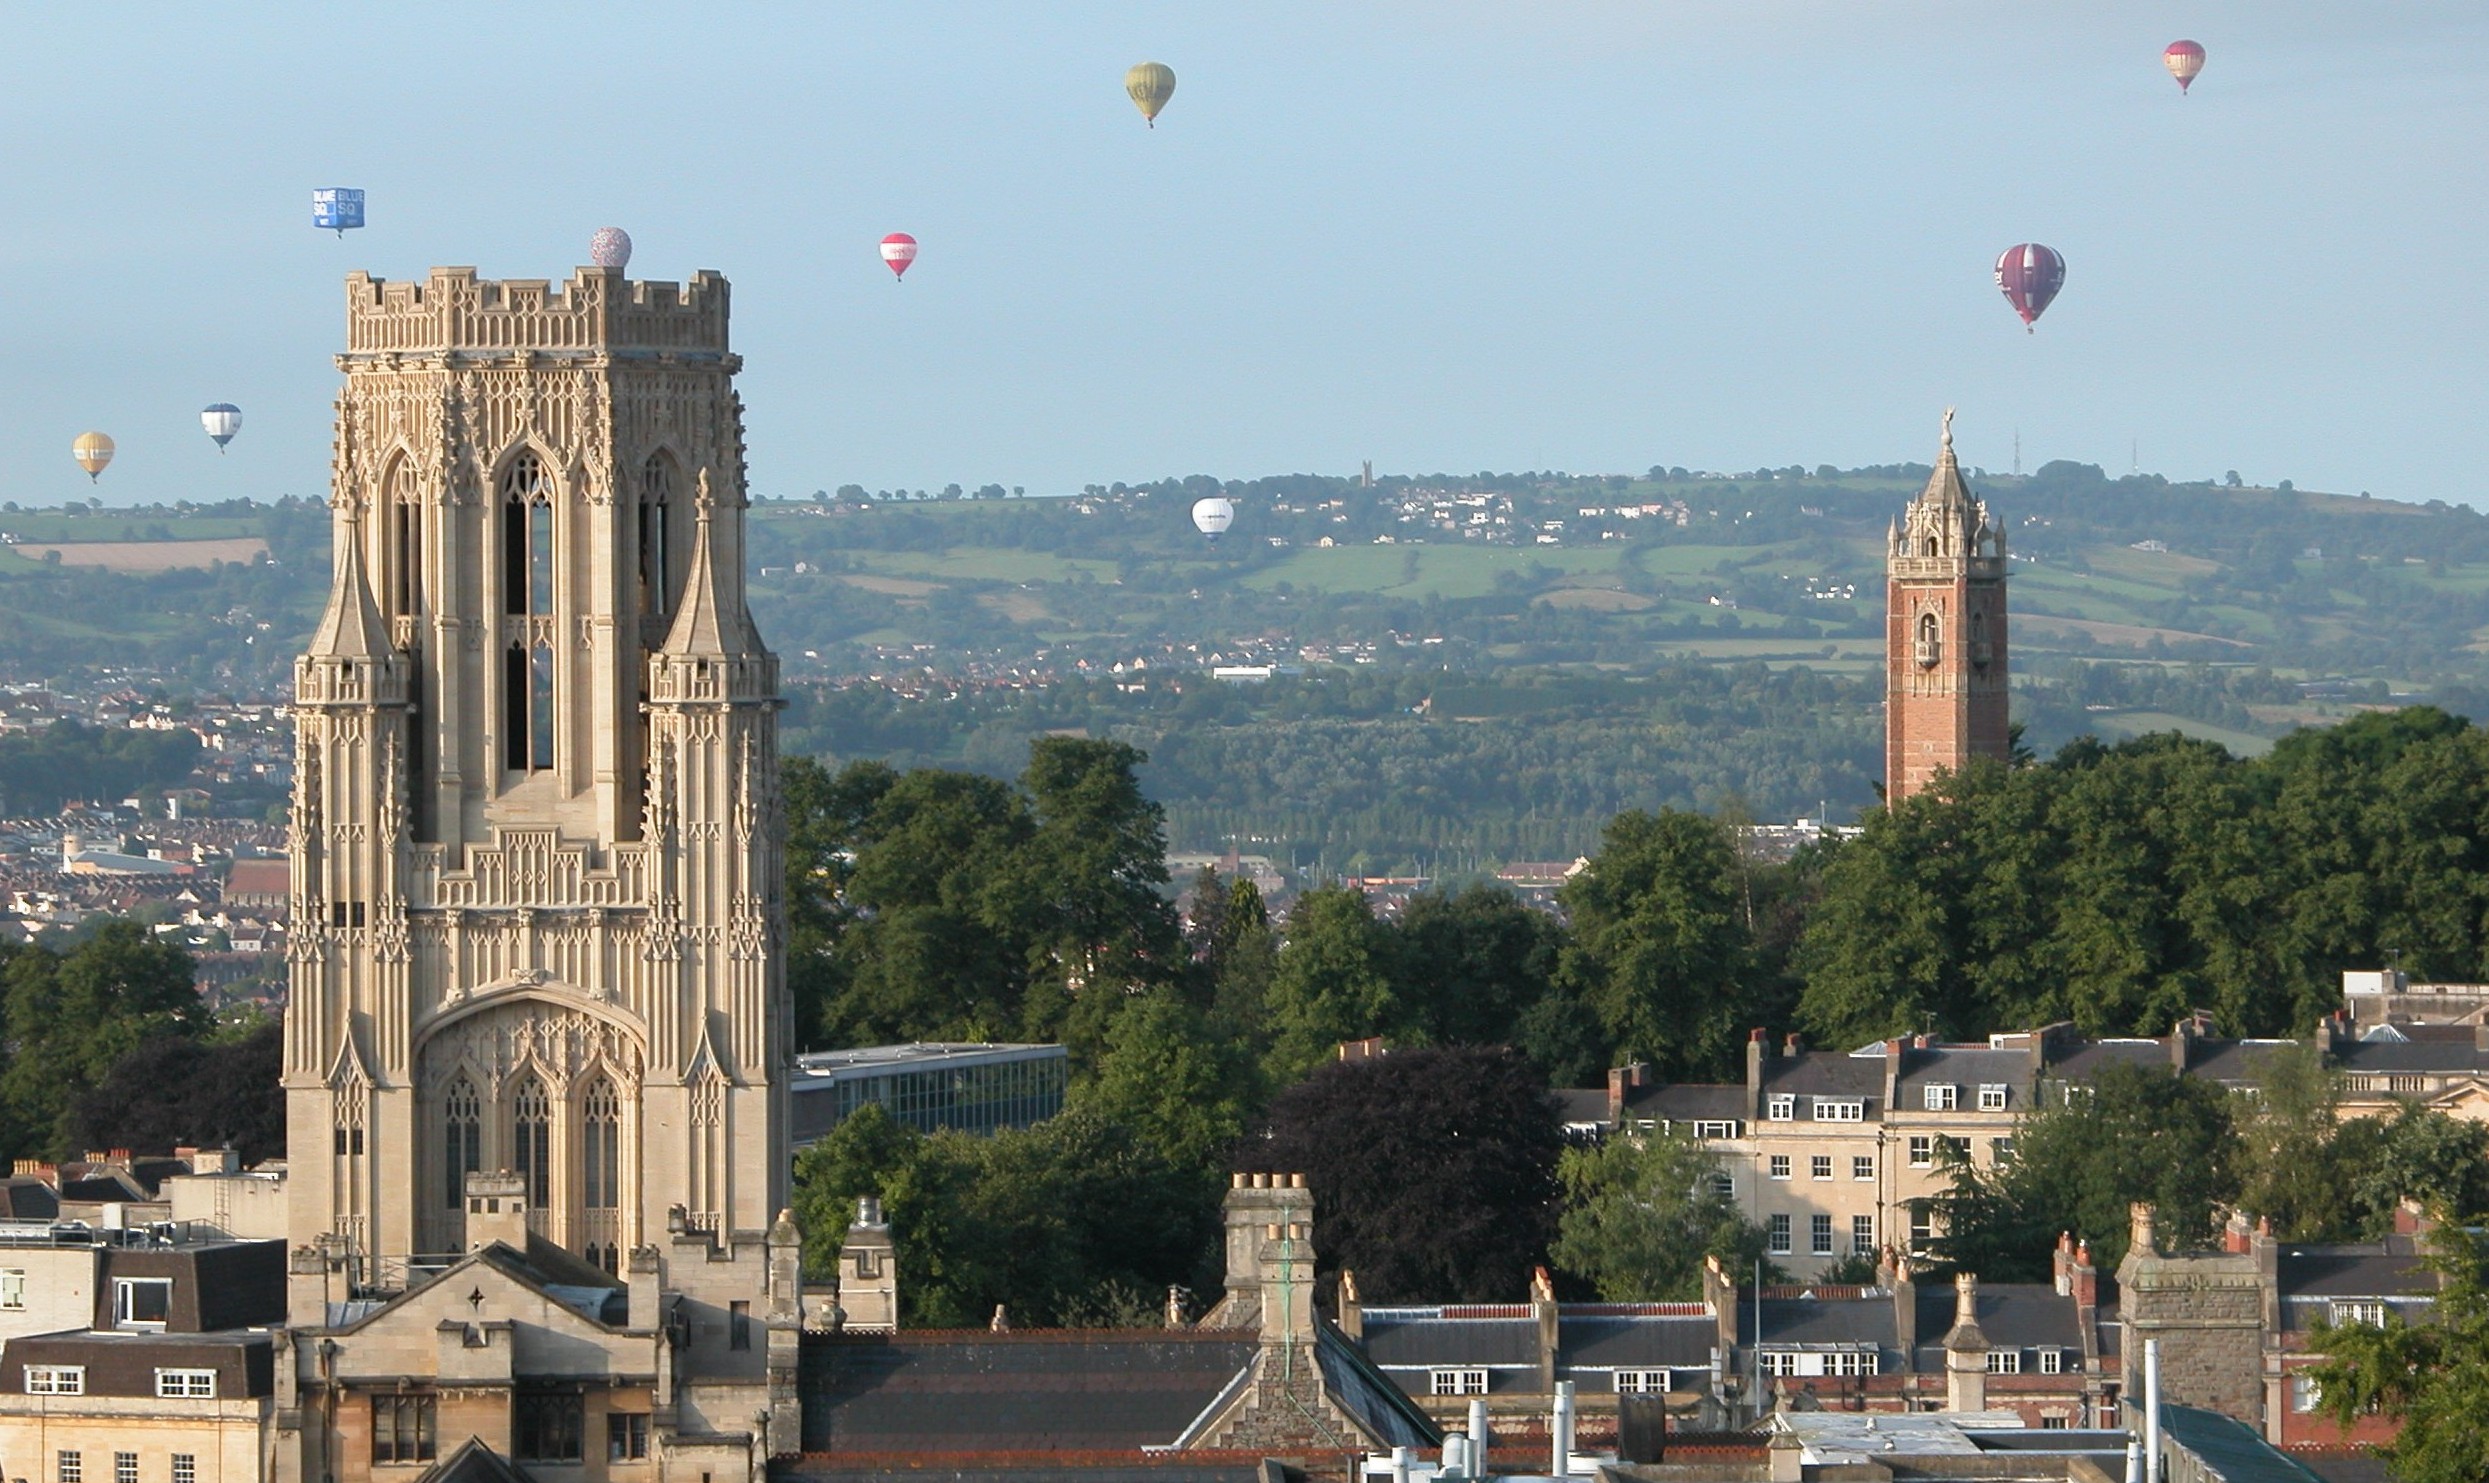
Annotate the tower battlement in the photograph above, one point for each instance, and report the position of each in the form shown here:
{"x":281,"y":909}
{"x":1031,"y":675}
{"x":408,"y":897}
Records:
{"x":597,"y":312}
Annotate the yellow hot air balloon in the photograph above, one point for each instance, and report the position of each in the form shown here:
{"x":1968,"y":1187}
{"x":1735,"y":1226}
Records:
{"x":1151,"y":84}
{"x":93,"y":451}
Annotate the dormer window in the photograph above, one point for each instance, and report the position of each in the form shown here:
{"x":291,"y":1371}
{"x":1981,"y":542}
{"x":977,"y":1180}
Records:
{"x":142,"y":1302}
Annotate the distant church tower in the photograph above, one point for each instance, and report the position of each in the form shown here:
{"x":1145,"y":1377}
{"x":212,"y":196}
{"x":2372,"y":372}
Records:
{"x":1944,"y":633}
{"x":537,"y":890}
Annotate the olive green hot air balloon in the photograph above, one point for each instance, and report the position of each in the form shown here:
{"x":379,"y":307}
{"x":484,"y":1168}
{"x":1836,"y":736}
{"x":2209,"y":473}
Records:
{"x":1151,"y":84}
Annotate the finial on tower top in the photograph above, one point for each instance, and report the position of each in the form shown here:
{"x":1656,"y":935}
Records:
{"x":1948,"y":429}
{"x":702,"y":502}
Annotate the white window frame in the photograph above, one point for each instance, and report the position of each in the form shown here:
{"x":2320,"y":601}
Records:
{"x":56,"y":1379}
{"x":185,"y":1467}
{"x":123,"y":1288}
{"x":1642,"y":1382}
{"x":1922,"y":1151}
{"x":1852,"y":1362}
{"x":1715,"y":1130}
{"x":196,"y":1385}
{"x":2305,"y":1394}
{"x":1725,"y":1186}
{"x":1992,"y":1096}
{"x":1939,"y":1096}
{"x":125,"y":1467}
{"x":1819,"y":1235}
{"x":2348,"y":1312}
{"x":1777,"y":1165}
{"x":13,"y":1289}
{"x":1862,"y":1235}
{"x":1862,"y":1167}
{"x":69,"y":1465}
{"x":1777,"y":1362}
{"x":2004,"y":1361}
{"x":1840,"y":1110}
{"x":1777,"y":1234}
{"x":1464,"y":1381}
{"x":1819,"y":1166}
{"x":1781,"y":1107}
{"x":2052,"y":1361}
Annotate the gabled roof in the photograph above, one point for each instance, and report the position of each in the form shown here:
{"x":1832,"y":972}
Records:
{"x":543,"y":1268}
{"x":473,"y":1462}
{"x":1365,"y":1393}
{"x":2012,"y":1315}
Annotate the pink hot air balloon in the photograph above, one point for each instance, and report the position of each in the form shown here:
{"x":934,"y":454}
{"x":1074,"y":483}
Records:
{"x":898,"y":250}
{"x":2183,"y":59}
{"x":610,"y":248}
{"x":2030,"y":276}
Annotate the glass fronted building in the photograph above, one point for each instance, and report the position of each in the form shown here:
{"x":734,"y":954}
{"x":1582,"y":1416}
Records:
{"x":930,"y":1086}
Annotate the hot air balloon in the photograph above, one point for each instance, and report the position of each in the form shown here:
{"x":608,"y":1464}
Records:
{"x":337,"y":207}
{"x":610,"y":248}
{"x":2183,"y":59}
{"x":92,"y":451}
{"x":222,"y":421}
{"x":1212,"y":516}
{"x":1151,"y":84}
{"x":898,"y":250}
{"x":2030,"y":276}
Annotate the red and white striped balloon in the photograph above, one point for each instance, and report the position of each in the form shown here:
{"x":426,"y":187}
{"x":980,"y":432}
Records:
{"x":2029,"y":275}
{"x":2183,"y":59}
{"x":898,"y":250}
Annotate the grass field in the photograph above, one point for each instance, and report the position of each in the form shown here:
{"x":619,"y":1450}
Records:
{"x":1447,"y":571}
{"x":983,"y":564}
{"x":145,"y":556}
{"x":2119,"y":724}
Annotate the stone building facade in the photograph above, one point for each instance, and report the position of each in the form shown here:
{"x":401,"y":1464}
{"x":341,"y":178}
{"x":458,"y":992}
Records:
{"x":1945,"y":698}
{"x":536,"y":991}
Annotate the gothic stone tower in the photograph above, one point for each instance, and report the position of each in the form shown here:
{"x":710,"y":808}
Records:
{"x":537,"y":892}
{"x":1944,"y":633}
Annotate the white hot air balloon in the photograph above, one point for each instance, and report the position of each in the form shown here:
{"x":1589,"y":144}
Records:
{"x":222,"y":421}
{"x":1213,"y":515}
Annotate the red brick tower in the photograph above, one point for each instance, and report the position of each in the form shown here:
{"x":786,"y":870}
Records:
{"x":1944,"y":633}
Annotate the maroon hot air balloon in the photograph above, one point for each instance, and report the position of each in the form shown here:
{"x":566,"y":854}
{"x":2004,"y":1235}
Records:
{"x":2183,"y":59}
{"x":2030,"y":276}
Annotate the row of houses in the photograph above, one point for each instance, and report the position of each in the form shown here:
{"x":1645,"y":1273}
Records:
{"x":1837,"y":1155}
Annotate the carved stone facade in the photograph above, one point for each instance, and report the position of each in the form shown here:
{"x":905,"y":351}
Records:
{"x":538,"y":890}
{"x":1945,"y":699}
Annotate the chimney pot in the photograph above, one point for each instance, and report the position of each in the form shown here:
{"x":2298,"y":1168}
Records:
{"x":1789,"y":1046}
{"x":1758,"y":1035}
{"x":1296,"y":1181}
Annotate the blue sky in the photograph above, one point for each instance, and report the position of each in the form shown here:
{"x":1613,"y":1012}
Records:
{"x":1439,"y":235}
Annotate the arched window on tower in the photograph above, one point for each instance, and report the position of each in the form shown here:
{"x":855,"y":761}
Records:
{"x":1931,"y":641}
{"x":656,"y":510}
{"x":526,"y":537}
{"x":601,"y":1154}
{"x":531,"y":1136}
{"x":462,"y":1140}
{"x":527,"y":561}
{"x":1980,"y":652}
{"x":405,"y":527}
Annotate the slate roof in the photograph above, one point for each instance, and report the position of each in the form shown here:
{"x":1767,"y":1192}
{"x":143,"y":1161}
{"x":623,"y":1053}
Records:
{"x":2415,"y":1054}
{"x":1367,"y":1394}
{"x":1689,"y":1102}
{"x":2388,"y":1268}
{"x":2234,"y":1061}
{"x":1966,"y":1066}
{"x":936,"y":1391}
{"x":2013,"y":1315}
{"x":2089,"y":1059}
{"x":1423,"y":1336}
{"x":1824,"y":1073}
{"x":2231,"y":1451}
{"x":1595,"y":1336}
{"x":1582,"y":1106}
{"x":1638,"y":1341}
{"x":1823,"y":1321}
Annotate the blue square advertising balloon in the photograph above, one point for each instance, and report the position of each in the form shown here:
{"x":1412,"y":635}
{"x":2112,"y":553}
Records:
{"x":337,"y":208}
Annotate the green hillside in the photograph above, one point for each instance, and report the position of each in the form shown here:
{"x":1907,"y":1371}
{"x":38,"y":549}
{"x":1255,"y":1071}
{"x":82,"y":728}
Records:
{"x":1567,"y":644}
